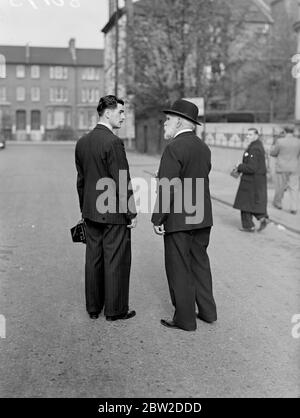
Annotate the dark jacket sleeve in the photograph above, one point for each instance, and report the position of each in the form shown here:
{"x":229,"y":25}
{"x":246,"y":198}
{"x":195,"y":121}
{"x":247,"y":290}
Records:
{"x":80,"y":178}
{"x":251,"y":163}
{"x":169,"y":169}
{"x":116,"y":162}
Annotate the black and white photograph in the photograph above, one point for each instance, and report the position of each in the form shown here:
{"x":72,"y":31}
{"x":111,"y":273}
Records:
{"x":149,"y":202}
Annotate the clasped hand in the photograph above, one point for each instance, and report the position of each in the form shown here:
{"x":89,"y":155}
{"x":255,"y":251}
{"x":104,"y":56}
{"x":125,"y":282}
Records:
{"x":159,"y":230}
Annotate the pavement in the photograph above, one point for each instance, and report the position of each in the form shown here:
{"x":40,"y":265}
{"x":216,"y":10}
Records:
{"x":223,"y":188}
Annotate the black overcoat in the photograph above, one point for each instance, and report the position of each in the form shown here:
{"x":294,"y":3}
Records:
{"x":188,"y":159}
{"x":252,"y":192}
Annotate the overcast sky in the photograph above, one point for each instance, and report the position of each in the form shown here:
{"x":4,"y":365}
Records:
{"x":45,"y":23}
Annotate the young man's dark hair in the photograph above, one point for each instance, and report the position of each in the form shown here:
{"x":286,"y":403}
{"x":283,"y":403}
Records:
{"x":108,"y":102}
{"x":254,"y":130}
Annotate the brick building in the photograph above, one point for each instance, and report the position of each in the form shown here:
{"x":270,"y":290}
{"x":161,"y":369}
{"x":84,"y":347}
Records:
{"x":46,"y":91}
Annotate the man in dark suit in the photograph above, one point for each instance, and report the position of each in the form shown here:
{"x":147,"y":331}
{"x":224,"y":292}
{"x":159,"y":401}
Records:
{"x":109,"y":213}
{"x":251,"y":197}
{"x":186,"y":226}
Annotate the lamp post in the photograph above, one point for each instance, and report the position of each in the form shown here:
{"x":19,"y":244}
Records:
{"x":275,"y":78}
{"x":297,"y":98}
{"x":129,"y":74}
{"x":117,"y":49}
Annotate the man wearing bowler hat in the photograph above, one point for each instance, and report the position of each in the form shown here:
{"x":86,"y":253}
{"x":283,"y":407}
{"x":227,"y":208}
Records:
{"x":185,"y":163}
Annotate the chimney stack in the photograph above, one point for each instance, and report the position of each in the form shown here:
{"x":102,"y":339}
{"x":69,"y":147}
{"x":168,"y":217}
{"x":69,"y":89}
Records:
{"x":72,"y":47}
{"x":27,"y":53}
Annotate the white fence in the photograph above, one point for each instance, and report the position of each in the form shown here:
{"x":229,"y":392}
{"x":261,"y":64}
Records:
{"x":233,"y":135}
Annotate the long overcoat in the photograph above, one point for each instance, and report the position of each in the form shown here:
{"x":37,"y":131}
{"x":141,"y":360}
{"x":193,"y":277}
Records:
{"x":252,"y":192}
{"x":188,"y":159}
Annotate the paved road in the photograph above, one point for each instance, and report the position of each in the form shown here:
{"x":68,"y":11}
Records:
{"x":52,"y":348}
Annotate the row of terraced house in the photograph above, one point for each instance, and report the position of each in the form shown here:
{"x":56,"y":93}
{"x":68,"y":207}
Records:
{"x":47,"y":93}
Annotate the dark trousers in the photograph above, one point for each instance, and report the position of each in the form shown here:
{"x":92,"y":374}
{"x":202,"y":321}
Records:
{"x":189,"y":276}
{"x":247,"y":218}
{"x":107,"y":268}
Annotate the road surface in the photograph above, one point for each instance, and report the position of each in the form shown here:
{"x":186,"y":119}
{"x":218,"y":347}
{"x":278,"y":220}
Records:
{"x":53,"y":349}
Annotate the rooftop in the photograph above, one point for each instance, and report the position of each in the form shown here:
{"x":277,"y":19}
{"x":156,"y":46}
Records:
{"x":36,"y":55}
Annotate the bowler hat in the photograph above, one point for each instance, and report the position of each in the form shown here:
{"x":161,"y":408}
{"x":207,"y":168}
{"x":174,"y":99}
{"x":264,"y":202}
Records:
{"x":184,"y":109}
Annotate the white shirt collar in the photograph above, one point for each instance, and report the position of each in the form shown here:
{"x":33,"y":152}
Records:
{"x":105,"y":124}
{"x":182,"y":131}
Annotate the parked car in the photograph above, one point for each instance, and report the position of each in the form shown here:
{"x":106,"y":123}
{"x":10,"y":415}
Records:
{"x":2,"y":142}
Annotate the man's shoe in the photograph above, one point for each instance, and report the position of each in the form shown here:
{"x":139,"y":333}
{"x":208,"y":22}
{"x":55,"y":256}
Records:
{"x":209,"y":321}
{"x":263,"y":224}
{"x":128,"y":315}
{"x":293,"y":212}
{"x":252,"y":229}
{"x":168,"y":324}
{"x":171,"y":324}
{"x":277,"y":206}
{"x":94,"y":315}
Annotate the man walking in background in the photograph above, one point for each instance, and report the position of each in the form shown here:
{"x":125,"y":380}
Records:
{"x":251,"y":198}
{"x":101,"y":155}
{"x":286,"y":150}
{"x":186,"y":157}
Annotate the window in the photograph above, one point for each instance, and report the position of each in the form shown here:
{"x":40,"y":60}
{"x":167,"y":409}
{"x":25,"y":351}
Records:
{"x":20,"y":71}
{"x":21,"y":120}
{"x":83,"y":95}
{"x":90,"y":95}
{"x":92,"y":119}
{"x":35,"y":71}
{"x":68,"y":118}
{"x":58,"y":117}
{"x":2,"y":94}
{"x":82,"y":123}
{"x":20,"y":94}
{"x":90,"y":73}
{"x":35,"y":94}
{"x":88,"y":119}
{"x":58,"y":94}
{"x":58,"y":73}
{"x":35,"y":121}
{"x":2,"y":66}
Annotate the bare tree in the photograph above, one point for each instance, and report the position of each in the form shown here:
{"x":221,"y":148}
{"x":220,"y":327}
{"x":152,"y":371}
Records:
{"x":193,"y":47}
